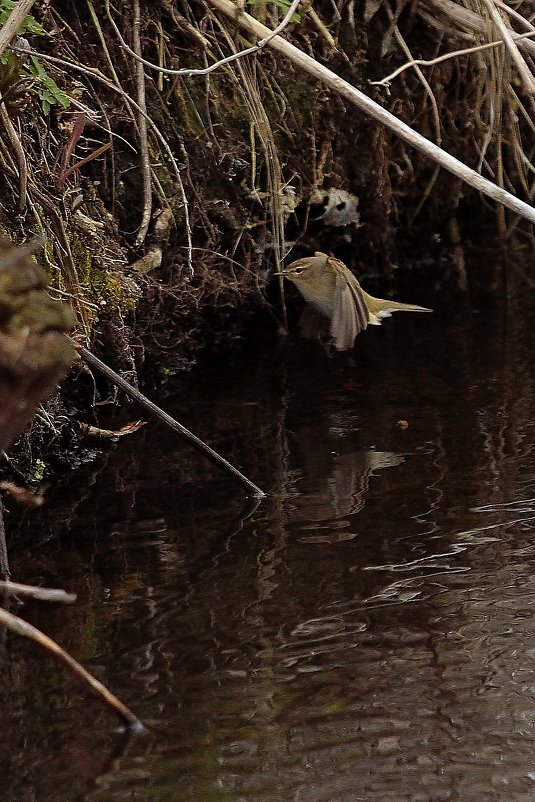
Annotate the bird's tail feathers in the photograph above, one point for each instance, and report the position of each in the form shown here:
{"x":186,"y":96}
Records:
{"x":379,"y":308}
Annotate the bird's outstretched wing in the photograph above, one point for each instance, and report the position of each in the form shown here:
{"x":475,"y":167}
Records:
{"x":350,"y":313}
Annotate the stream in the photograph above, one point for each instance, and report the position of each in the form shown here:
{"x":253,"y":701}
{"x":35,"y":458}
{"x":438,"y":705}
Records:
{"x":366,"y":632}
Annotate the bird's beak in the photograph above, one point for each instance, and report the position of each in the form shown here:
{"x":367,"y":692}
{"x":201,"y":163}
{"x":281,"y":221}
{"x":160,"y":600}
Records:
{"x":279,"y":273}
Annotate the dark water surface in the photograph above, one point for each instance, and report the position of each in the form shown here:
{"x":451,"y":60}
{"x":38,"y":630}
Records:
{"x":365,"y":633}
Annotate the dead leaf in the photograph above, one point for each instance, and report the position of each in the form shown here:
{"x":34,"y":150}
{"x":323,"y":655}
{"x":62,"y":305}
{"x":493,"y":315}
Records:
{"x":94,"y":431}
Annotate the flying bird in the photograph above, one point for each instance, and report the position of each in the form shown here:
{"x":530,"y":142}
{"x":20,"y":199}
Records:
{"x":337,"y":304}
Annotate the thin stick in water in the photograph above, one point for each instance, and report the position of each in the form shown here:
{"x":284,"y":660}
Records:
{"x":173,"y":424}
{"x":21,"y":627}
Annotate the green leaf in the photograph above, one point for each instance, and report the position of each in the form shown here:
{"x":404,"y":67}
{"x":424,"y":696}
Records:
{"x":46,"y":88}
{"x":29,"y":24}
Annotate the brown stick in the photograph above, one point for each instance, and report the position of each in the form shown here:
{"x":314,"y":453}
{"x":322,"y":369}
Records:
{"x":21,"y":627}
{"x":89,"y":158}
{"x":78,"y":125}
{"x":173,"y":424}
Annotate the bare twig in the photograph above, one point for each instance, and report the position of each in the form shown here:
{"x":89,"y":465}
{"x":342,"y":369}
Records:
{"x":205,"y":70}
{"x":322,"y":28}
{"x":21,"y":627}
{"x":33,"y":592}
{"x":103,"y":42}
{"x":383,"y":116}
{"x":19,"y":153}
{"x":89,"y":158}
{"x":423,"y":62}
{"x":114,"y":75}
{"x":142,"y":125}
{"x":173,"y":424}
{"x":13,"y":22}
{"x":184,"y":25}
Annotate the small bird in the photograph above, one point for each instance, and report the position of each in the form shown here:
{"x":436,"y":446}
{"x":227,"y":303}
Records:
{"x":337,"y":304}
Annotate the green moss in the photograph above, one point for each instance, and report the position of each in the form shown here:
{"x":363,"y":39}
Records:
{"x":120,"y":292}
{"x":103,"y":287}
{"x":38,"y":470}
{"x":83,"y":262}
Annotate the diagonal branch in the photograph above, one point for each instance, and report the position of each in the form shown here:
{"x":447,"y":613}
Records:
{"x":173,"y":424}
{"x":369,"y":106}
{"x":21,"y":627}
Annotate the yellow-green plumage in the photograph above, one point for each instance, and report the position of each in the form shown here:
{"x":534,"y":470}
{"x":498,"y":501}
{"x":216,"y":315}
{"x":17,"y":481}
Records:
{"x":337,"y":302}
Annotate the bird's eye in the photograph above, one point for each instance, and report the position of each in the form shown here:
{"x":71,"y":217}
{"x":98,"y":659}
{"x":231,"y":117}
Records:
{"x":298,"y":270}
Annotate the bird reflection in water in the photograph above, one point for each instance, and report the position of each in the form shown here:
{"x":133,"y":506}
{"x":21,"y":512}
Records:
{"x":345,"y":491}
